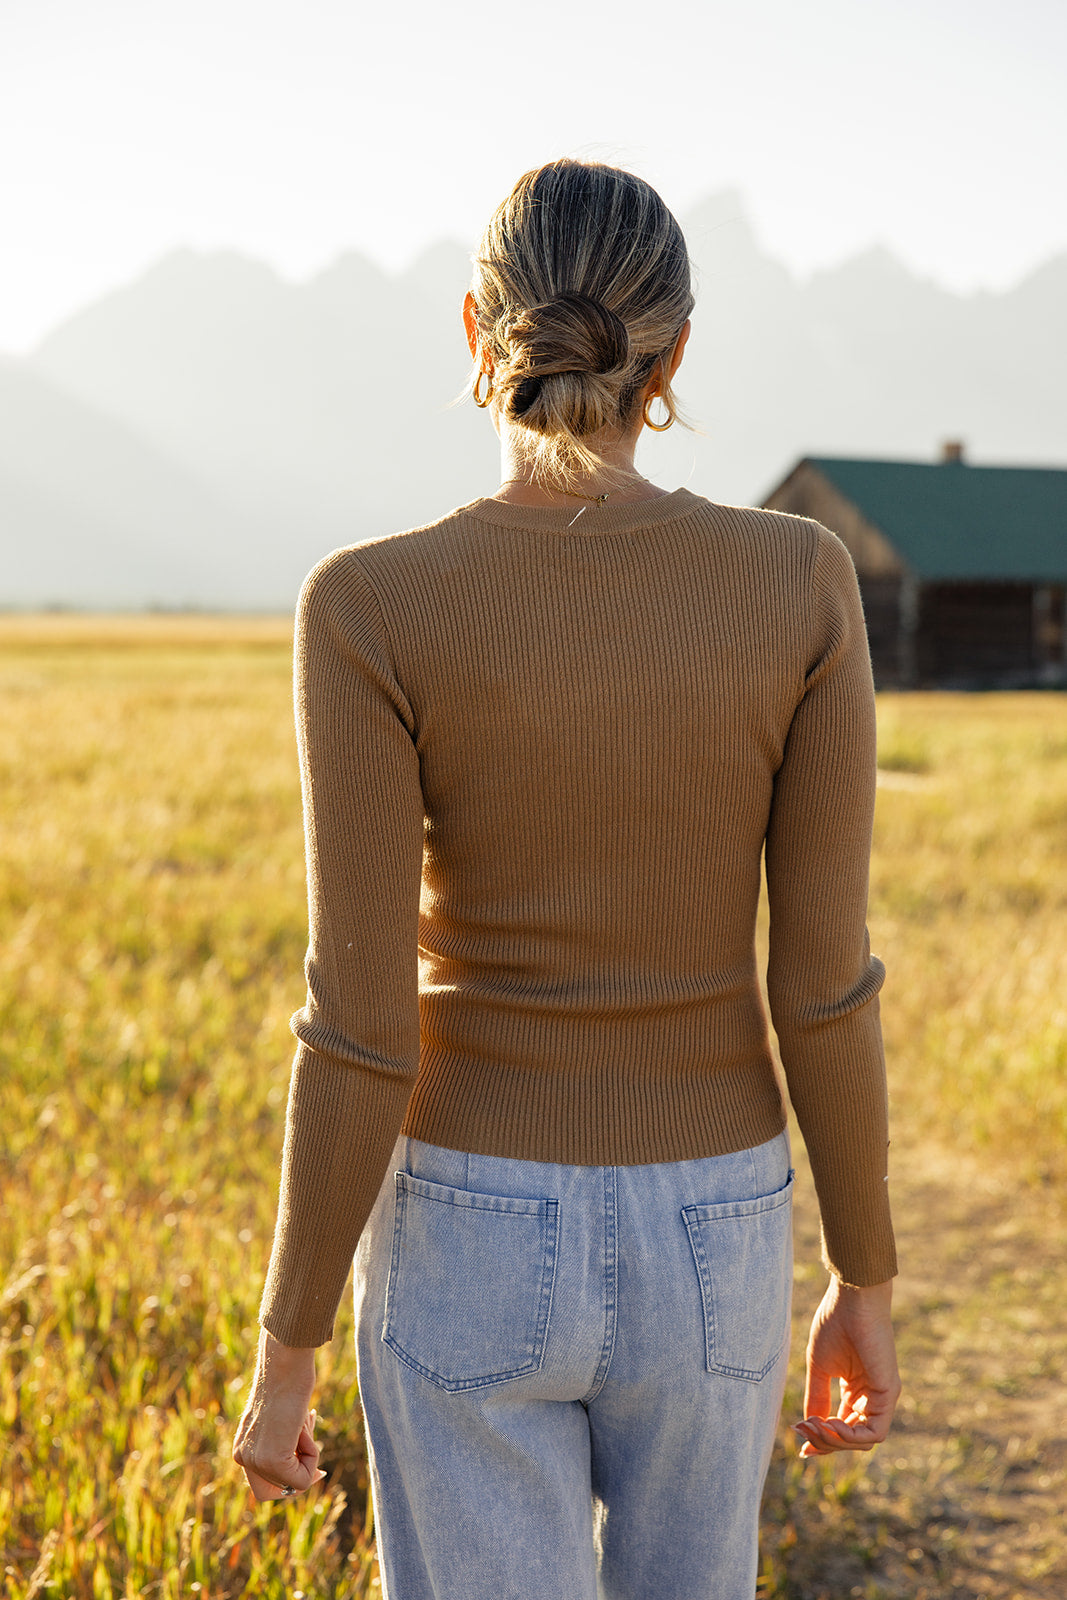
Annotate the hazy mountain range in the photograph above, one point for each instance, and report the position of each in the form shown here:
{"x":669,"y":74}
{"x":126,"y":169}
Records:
{"x":201,"y":435}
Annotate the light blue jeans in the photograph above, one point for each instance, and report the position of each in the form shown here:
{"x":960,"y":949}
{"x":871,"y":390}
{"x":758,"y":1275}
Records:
{"x":572,"y":1375}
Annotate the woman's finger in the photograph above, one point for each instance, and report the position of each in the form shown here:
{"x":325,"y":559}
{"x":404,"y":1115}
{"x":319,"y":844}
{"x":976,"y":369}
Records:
{"x":823,"y":1435}
{"x":285,"y":1484}
{"x":305,"y":1445}
{"x":261,"y":1487}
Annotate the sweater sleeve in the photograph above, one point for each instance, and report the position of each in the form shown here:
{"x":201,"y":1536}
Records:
{"x":358,"y":1031}
{"x":822,"y":980}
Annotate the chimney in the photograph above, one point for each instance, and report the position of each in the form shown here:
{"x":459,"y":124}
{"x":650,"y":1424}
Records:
{"x":952,"y":452}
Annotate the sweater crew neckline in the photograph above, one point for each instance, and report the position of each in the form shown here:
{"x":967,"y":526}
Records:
{"x":586,"y":520}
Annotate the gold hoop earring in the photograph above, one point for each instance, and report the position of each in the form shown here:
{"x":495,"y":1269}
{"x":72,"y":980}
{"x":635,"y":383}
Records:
{"x":657,"y":427}
{"x":479,"y":400}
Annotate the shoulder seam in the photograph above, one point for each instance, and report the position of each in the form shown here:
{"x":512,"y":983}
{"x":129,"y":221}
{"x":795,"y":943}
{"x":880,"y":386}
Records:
{"x":351,"y":552}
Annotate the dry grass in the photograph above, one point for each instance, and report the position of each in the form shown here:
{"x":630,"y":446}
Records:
{"x":151,"y":898}
{"x":969,"y":911}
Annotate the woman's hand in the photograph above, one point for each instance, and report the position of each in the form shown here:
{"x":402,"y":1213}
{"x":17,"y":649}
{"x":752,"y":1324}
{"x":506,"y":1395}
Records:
{"x":851,"y":1340}
{"x":275,"y":1441}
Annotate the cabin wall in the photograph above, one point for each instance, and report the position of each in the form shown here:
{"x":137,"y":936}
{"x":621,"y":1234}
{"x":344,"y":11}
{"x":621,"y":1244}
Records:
{"x":965,"y":635}
{"x":881,"y":611}
{"x":976,"y":634}
{"x":1050,"y":632}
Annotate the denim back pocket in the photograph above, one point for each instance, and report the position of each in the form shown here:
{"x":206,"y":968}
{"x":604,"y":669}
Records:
{"x":744,"y":1260}
{"x":470,"y":1283}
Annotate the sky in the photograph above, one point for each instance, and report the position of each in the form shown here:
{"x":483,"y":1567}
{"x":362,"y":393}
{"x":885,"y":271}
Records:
{"x":293,"y":130}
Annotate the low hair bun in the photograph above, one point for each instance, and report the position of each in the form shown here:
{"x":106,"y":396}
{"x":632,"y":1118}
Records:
{"x":570,"y":333}
{"x":558,"y":351}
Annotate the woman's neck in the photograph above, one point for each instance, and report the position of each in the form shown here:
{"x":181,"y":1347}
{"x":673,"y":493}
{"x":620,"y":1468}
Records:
{"x":620,"y":485}
{"x":524,"y":492}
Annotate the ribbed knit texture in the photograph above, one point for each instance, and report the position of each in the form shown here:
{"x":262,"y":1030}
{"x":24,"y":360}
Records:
{"x":577,"y":736}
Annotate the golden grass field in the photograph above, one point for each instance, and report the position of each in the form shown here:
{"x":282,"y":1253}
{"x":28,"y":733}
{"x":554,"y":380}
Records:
{"x":151,"y":885}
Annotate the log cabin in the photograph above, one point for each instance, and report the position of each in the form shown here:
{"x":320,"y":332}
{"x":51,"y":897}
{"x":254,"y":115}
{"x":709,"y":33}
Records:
{"x":962,"y":569}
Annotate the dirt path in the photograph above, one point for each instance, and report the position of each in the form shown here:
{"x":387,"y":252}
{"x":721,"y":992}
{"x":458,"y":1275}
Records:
{"x":968,"y":1499}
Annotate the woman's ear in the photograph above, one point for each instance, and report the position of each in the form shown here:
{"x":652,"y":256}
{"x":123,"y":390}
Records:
{"x":655,"y":382}
{"x":470,"y":322}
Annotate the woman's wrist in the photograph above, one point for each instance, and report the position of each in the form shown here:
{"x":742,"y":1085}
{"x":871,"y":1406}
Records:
{"x":873,"y":1299}
{"x":282,"y":1361}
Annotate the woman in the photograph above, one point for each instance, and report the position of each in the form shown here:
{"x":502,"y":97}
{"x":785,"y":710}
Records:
{"x":573,"y":715}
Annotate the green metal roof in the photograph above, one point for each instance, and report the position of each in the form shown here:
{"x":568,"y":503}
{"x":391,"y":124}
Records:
{"x":955,"y":521}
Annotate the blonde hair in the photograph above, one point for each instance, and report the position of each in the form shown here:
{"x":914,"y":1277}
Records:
{"x":582,"y":286}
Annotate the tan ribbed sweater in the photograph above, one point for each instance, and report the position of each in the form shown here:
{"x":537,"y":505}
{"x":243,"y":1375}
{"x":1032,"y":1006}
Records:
{"x":576,"y":737}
